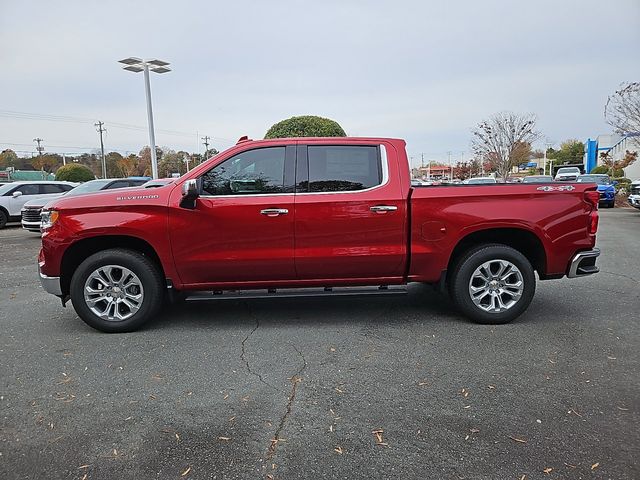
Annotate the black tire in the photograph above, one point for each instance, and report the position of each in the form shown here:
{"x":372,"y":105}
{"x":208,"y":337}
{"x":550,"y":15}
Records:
{"x":611,"y":204}
{"x":148,"y":274}
{"x":459,"y":285}
{"x":4,"y":218}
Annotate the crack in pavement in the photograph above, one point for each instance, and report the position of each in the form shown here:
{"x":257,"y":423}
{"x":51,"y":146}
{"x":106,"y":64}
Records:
{"x":295,"y":380}
{"x":243,"y":354}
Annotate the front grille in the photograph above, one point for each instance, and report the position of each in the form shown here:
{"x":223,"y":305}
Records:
{"x":635,"y":189}
{"x":31,"y":214}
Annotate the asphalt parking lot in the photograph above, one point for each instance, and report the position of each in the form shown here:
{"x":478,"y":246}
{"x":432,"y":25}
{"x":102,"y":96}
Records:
{"x":342,"y":388}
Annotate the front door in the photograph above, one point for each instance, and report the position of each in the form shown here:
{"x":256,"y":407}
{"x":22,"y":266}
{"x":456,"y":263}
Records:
{"x":241,"y":229}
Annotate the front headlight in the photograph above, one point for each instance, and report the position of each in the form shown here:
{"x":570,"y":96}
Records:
{"x":48,"y":218}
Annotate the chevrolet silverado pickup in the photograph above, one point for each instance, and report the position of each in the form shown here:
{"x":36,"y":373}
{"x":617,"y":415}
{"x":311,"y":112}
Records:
{"x":320,"y":216}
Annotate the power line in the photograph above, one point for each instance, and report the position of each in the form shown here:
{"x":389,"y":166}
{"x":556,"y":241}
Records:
{"x":84,"y":120}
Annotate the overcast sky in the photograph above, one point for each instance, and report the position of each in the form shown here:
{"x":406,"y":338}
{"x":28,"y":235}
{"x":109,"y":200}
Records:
{"x":423,"y":71}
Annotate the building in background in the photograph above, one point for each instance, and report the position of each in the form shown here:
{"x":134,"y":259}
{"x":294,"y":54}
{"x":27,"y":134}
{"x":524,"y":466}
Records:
{"x":617,"y":146}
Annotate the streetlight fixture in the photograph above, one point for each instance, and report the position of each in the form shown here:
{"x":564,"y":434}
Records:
{"x":137,"y":65}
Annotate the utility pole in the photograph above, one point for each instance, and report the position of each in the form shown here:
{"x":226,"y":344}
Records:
{"x":186,"y":160}
{"x":544,"y":160}
{"x":101,"y":130}
{"x":422,"y":160}
{"x":39,"y":148}
{"x":205,"y":142}
{"x":450,"y":167}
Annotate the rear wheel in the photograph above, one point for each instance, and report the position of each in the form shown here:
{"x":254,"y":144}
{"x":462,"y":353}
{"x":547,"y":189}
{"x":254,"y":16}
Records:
{"x":4,"y":218}
{"x":492,"y":284}
{"x":117,"y":290}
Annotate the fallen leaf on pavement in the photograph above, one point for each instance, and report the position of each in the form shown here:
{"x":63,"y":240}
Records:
{"x":339,"y":450}
{"x":595,"y":465}
{"x":185,"y":472}
{"x":548,"y":470}
{"x":225,"y":439}
{"x":519,"y":440}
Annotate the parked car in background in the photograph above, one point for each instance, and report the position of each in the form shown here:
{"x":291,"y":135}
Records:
{"x":606,"y":188}
{"x":14,"y":195}
{"x":479,"y":180}
{"x":567,"y":174}
{"x":634,"y":194}
{"x":30,"y":212}
{"x":538,"y":179}
{"x":158,"y":182}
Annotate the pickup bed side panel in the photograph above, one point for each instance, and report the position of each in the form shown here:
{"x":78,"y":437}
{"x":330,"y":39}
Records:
{"x":442,"y":216}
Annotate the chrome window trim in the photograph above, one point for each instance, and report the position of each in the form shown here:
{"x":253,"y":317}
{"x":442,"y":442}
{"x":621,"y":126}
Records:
{"x":385,"y":173}
{"x":250,"y":195}
{"x":385,"y":180}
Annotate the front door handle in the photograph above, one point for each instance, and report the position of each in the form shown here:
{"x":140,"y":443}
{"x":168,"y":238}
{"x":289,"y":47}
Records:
{"x":274,"y":212}
{"x":383,"y":208}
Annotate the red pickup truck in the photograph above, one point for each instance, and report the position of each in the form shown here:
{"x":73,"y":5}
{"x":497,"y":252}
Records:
{"x":313,"y":216}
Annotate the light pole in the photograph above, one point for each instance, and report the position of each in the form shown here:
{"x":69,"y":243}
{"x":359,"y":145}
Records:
{"x":137,"y":65}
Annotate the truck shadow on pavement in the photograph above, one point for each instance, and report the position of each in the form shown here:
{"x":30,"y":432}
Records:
{"x":421,"y":304}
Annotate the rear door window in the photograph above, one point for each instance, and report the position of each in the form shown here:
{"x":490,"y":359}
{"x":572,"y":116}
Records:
{"x":341,"y":168}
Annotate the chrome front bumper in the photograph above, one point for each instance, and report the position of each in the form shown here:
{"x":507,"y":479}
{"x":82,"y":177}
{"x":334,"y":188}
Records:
{"x":584,"y":263}
{"x":50,"y":284}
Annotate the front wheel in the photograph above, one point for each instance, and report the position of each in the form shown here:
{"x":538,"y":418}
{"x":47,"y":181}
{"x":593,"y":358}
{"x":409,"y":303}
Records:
{"x":116,"y":290}
{"x":493,"y":284}
{"x":4,"y":218}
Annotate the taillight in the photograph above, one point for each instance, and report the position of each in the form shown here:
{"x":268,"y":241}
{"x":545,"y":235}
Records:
{"x":593,"y":222}
{"x":592,"y":197}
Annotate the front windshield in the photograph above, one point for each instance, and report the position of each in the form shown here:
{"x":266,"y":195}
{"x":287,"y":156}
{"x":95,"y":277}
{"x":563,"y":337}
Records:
{"x":599,"y":179}
{"x":5,"y":188}
{"x":88,"y":187}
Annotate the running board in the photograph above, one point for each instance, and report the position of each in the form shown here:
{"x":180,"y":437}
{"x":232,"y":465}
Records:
{"x":297,"y":292}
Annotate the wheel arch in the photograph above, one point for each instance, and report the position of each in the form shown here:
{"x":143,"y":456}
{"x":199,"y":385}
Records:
{"x":522,"y":240}
{"x":82,"y":249}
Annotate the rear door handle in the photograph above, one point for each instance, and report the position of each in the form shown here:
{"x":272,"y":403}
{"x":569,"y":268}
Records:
{"x":383,"y":208}
{"x":274,"y":212}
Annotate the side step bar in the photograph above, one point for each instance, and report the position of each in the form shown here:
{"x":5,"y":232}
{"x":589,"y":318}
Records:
{"x":297,"y":292}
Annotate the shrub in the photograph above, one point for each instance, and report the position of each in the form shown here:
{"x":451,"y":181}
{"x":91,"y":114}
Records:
{"x":600,"y":169}
{"x":306,"y":126}
{"x":74,"y":172}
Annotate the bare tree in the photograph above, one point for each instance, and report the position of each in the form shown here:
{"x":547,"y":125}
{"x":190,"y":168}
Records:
{"x":501,"y":137}
{"x":622,"y":110}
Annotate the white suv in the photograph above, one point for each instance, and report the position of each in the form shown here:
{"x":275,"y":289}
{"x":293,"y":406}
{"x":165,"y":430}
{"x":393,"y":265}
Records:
{"x":14,"y":195}
{"x":634,"y":197}
{"x":567,"y":174}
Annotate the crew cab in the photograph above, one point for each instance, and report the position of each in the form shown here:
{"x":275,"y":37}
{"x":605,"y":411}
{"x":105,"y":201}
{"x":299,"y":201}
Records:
{"x":318,"y":216}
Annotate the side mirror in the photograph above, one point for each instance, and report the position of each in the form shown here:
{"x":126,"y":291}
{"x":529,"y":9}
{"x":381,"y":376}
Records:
{"x":17,"y":193}
{"x":190,"y":193}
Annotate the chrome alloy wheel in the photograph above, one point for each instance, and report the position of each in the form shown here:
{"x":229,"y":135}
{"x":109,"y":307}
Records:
{"x":113,"y":293}
{"x":496,"y":286}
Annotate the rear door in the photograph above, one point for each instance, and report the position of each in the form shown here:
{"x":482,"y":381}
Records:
{"x":350,"y":213}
